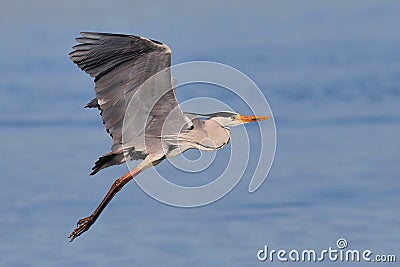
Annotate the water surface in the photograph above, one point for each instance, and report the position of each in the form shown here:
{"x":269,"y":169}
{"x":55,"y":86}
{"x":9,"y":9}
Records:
{"x":331,"y":75}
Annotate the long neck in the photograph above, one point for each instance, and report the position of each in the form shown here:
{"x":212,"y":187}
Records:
{"x":219,"y":135}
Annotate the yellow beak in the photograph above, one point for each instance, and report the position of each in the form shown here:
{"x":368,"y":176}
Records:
{"x":246,"y":119}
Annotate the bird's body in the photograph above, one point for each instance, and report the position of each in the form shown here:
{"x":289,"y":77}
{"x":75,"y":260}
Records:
{"x":135,"y":94}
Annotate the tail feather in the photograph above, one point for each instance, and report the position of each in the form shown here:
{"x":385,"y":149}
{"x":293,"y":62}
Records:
{"x":107,"y":160}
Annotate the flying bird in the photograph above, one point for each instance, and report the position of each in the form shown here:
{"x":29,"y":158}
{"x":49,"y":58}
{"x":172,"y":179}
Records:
{"x":128,"y":68}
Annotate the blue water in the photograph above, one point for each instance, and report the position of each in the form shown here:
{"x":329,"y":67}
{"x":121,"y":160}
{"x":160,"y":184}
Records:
{"x":331,"y":73}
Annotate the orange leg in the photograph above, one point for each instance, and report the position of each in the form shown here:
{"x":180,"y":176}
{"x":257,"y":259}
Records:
{"x":84,"y":224}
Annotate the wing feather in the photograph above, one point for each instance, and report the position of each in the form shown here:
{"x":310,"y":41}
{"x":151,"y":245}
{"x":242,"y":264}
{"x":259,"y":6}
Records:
{"x":120,"y":65}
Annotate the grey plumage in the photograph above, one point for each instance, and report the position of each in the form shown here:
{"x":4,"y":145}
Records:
{"x":121,"y":64}
{"x":135,"y":69}
{"x":136,"y":98}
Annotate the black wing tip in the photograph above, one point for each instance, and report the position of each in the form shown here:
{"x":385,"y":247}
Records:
{"x":98,"y":35}
{"x":85,"y":35}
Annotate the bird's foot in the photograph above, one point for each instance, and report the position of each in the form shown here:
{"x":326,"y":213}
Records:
{"x":82,"y":226}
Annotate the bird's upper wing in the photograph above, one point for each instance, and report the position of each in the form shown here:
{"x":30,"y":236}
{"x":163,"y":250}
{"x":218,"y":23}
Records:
{"x":121,"y":64}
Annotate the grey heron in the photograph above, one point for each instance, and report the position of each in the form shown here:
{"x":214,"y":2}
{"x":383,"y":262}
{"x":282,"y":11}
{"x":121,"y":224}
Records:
{"x":121,"y":66}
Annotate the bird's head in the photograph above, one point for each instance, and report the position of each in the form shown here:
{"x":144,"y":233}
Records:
{"x":229,"y":119}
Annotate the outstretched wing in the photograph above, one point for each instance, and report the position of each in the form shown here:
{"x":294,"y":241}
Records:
{"x":120,"y":65}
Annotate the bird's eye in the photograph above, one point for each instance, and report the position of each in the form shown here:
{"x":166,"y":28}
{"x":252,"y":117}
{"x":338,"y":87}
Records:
{"x":233,"y":118}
